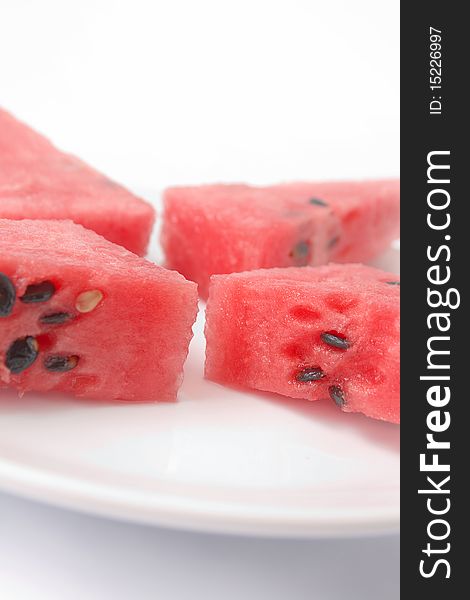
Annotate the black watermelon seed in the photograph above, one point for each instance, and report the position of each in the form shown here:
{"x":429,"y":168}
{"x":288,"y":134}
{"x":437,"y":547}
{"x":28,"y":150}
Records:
{"x":55,"y":318}
{"x":310,"y":374}
{"x":21,"y":354}
{"x":317,"y":202}
{"x":301,"y":251}
{"x":335,"y":340}
{"x":7,"y":295}
{"x":333,"y":241}
{"x":38,"y":292}
{"x":392,"y":282}
{"x":337,"y":394}
{"x":61,"y":364}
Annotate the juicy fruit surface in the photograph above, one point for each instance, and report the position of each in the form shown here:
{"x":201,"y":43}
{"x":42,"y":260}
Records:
{"x":114,"y":327}
{"x":217,"y":229}
{"x":37,"y":181}
{"x":313,"y":333}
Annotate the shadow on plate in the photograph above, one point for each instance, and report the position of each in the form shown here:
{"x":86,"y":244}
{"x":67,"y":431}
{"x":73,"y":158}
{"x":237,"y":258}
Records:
{"x":381,"y":433}
{"x":386,"y":435}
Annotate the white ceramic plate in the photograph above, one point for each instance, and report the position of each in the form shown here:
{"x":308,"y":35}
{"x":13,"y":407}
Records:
{"x":218,"y":460}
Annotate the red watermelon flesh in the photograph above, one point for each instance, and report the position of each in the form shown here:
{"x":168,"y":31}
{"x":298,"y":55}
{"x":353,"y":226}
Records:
{"x":37,"y":181}
{"x":81,"y":315}
{"x":313,"y":333}
{"x":216,"y":229}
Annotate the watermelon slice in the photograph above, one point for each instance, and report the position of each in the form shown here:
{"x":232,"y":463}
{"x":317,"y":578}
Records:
{"x":230,"y":228}
{"x":37,"y":181}
{"x":81,"y":315}
{"x":313,"y":333}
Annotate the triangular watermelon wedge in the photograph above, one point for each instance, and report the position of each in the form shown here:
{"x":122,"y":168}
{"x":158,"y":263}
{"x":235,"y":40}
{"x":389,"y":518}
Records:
{"x":216,"y":229}
{"x":81,"y":315}
{"x":37,"y":181}
{"x":330,"y":332}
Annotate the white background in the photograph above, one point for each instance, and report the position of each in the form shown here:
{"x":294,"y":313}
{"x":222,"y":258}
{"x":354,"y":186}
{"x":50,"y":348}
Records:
{"x":164,"y":92}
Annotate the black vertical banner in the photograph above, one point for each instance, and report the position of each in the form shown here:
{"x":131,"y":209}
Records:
{"x":435,"y":322}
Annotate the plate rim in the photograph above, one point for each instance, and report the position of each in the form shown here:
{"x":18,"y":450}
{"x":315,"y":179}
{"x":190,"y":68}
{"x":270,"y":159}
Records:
{"x":175,"y":512}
